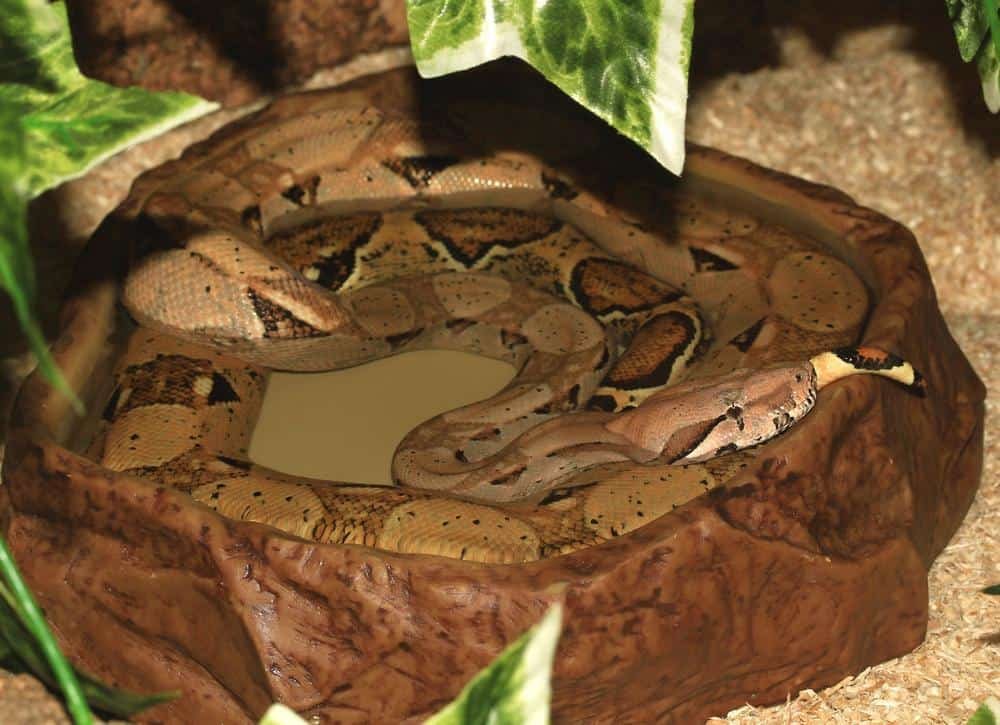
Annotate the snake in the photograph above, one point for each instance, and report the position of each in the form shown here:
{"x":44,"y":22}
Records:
{"x":325,"y":232}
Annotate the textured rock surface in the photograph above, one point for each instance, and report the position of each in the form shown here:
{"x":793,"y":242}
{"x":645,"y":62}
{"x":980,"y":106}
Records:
{"x":874,"y":99}
{"x":227,"y":50}
{"x":805,"y":569}
{"x":912,"y":120}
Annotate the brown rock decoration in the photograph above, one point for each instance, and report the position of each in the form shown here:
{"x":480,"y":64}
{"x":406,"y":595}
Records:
{"x":229,"y":51}
{"x":806,"y":566}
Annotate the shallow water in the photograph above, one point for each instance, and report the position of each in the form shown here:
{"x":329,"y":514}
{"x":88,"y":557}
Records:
{"x":344,"y":425}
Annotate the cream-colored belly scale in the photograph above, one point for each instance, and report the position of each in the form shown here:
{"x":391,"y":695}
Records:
{"x":321,"y":238}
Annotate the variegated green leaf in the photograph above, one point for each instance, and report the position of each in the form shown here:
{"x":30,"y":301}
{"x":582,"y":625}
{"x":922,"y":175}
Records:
{"x":17,"y":274}
{"x":987,"y":714}
{"x":516,"y":688}
{"x":977,"y":31}
{"x":56,"y":124}
{"x":88,"y":124}
{"x":968,"y":17}
{"x":988,"y":64}
{"x":34,"y":51}
{"x":279,"y":714}
{"x":71,"y":122}
{"x":626,"y":62}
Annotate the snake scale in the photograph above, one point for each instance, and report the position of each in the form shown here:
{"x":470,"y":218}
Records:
{"x":322,"y":234}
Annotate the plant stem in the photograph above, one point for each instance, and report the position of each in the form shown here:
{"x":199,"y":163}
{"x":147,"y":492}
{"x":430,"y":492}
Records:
{"x":33,"y":619}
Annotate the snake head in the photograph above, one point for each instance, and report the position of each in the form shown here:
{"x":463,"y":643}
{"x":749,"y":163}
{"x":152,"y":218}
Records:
{"x":701,"y":419}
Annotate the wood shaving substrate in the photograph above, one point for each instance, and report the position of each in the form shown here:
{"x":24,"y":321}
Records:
{"x":889,"y":130}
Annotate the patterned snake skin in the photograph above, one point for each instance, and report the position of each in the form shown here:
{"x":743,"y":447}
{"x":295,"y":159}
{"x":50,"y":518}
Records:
{"x":319,"y":235}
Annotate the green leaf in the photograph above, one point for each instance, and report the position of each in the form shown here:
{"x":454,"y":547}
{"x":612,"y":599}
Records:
{"x":71,"y":122}
{"x":34,"y":45}
{"x":92,"y":122}
{"x":977,"y":31}
{"x":968,"y":18}
{"x":14,"y":256}
{"x":30,"y":647}
{"x":987,"y":714}
{"x":994,"y":589}
{"x":516,"y":687}
{"x":120,"y":703}
{"x":279,"y":714}
{"x":44,"y":649}
{"x":17,"y":275}
{"x":625,"y":61}
{"x":445,"y":23}
{"x":988,"y":62}
{"x":55,"y":124}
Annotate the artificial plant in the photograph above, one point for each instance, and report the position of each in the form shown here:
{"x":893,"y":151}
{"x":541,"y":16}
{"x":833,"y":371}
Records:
{"x":625,"y":61}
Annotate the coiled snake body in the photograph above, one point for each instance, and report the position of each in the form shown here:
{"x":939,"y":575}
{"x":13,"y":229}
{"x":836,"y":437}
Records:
{"x":322,"y":235}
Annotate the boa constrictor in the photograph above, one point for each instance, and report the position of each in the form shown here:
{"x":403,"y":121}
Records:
{"x":318,"y":236}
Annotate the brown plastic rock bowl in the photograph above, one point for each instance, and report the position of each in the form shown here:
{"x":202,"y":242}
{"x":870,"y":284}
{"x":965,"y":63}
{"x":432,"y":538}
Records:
{"x":807,"y":566}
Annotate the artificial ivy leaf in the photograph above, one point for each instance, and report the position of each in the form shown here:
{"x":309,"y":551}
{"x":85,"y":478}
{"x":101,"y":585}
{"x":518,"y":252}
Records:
{"x":86,"y":125}
{"x":516,"y":687}
{"x":71,"y":122}
{"x":55,"y":124}
{"x":968,"y":17}
{"x":15,"y":260}
{"x":977,"y":31}
{"x":987,"y":714}
{"x":17,"y":275}
{"x":626,"y":62}
{"x":34,"y":47}
{"x":988,"y":64}
{"x":279,"y":714}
